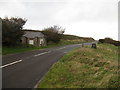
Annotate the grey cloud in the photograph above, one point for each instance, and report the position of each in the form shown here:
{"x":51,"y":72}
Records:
{"x":66,"y":13}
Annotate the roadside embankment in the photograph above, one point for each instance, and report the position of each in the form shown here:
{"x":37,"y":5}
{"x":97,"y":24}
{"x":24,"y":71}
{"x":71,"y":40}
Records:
{"x":85,"y":67}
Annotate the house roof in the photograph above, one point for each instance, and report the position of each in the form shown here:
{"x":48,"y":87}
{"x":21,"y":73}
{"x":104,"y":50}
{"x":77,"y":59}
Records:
{"x":32,"y":34}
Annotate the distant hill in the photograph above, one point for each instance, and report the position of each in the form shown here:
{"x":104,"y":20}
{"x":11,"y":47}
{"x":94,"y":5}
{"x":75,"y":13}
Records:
{"x":73,"y":37}
{"x":110,"y":41}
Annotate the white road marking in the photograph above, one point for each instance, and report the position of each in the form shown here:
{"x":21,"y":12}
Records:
{"x":42,"y":53}
{"x":10,"y":64}
{"x":61,"y":48}
{"x":49,"y":51}
{"x":65,"y":52}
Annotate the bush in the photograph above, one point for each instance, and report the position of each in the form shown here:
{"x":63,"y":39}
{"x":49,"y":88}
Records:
{"x":53,"y":34}
{"x":110,"y":41}
{"x":101,"y":40}
{"x":12,"y":31}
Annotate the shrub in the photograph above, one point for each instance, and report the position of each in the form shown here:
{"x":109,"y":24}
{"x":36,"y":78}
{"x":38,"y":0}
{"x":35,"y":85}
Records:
{"x":12,"y":30}
{"x":110,"y":41}
{"x":53,"y":34}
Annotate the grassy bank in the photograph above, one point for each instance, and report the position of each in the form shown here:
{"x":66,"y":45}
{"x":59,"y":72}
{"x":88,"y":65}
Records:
{"x":17,"y":49}
{"x":85,"y":68}
{"x":24,"y":48}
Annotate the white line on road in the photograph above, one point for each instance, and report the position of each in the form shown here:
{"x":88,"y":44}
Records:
{"x":42,"y":53}
{"x":10,"y":64}
{"x":65,"y":52}
{"x":61,"y":48}
{"x":49,"y":51}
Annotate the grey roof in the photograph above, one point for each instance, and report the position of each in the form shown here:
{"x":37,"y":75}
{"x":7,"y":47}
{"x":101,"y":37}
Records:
{"x":33,"y":34}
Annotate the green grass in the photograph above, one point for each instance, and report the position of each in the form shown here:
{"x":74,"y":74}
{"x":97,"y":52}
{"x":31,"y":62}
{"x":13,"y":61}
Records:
{"x":73,"y":37}
{"x":23,"y":48}
{"x":85,"y":68}
{"x":67,"y":42}
{"x":16,"y":49}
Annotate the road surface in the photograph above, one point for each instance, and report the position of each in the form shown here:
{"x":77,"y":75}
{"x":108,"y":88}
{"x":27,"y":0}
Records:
{"x":24,"y":70}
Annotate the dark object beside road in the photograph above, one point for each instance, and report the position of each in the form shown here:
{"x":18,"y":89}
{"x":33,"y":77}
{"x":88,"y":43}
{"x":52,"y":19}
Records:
{"x":82,"y":44}
{"x":94,"y":45}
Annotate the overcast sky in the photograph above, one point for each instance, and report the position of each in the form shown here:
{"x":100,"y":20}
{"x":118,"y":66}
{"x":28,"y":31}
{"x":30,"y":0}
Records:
{"x":86,"y":18}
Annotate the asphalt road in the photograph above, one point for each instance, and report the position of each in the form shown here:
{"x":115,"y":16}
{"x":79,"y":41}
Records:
{"x":24,"y":70}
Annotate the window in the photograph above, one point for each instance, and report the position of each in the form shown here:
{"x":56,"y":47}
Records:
{"x":31,"y":42}
{"x":41,"y":41}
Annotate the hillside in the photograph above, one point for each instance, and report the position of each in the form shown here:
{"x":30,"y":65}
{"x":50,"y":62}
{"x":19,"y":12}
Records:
{"x":82,"y":69}
{"x":68,"y":37}
{"x":73,"y":37}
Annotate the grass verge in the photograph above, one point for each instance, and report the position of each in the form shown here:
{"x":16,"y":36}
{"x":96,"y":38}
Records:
{"x":24,"y":48}
{"x":85,"y":68}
